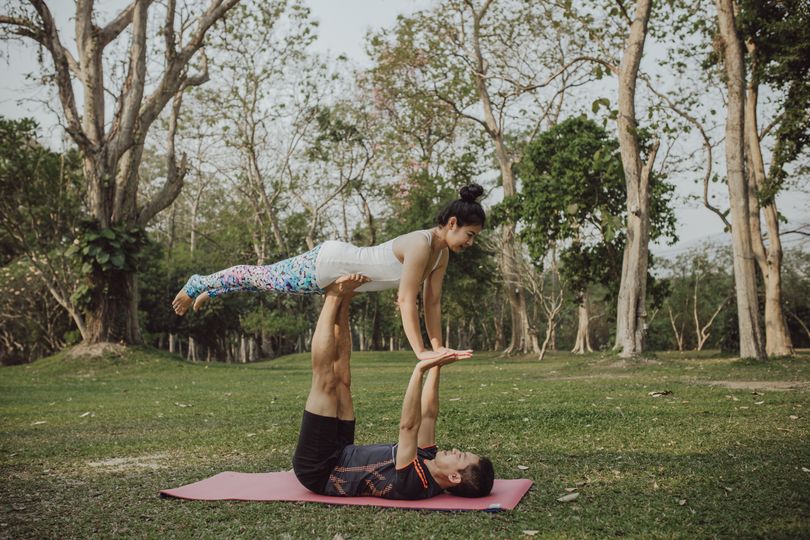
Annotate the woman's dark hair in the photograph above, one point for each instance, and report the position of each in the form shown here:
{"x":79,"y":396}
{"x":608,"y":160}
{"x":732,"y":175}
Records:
{"x":466,"y":210}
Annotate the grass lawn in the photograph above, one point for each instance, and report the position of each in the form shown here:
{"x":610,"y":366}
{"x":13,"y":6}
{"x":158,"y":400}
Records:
{"x":86,"y":444}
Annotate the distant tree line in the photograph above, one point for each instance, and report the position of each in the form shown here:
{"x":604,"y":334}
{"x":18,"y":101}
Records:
{"x":228,"y":141}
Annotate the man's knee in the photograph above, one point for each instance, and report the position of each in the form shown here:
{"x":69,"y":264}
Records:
{"x":325,"y":382}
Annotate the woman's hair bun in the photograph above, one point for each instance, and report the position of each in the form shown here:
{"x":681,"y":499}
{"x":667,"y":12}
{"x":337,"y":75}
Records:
{"x":471,"y":192}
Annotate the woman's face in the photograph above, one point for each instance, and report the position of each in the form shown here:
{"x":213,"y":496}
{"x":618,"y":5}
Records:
{"x":459,"y":237}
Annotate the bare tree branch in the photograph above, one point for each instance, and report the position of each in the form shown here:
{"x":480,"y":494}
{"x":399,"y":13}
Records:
{"x":175,"y":175}
{"x":48,"y":36}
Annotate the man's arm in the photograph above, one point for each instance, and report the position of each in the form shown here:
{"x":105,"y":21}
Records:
{"x":430,"y":409}
{"x":411,"y":417}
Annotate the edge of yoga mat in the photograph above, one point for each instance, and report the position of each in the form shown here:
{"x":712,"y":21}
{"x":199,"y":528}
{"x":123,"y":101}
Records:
{"x":284,"y":486}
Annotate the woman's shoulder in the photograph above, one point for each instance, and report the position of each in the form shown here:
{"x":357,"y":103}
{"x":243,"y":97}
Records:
{"x":412,"y":242}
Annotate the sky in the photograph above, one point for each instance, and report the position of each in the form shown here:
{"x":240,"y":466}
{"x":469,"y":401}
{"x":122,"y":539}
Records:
{"x":343,"y":25}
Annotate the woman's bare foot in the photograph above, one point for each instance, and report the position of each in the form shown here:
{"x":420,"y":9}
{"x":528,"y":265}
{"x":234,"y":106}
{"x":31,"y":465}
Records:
{"x":200,"y":301}
{"x":182,"y":302}
{"x":345,"y":286}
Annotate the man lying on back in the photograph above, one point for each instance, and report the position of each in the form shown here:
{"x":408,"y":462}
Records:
{"x":326,"y":459}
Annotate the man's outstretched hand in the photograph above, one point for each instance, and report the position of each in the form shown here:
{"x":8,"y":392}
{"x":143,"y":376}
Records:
{"x":442,"y":357}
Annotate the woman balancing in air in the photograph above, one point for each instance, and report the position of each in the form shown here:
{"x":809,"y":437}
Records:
{"x":415,"y":259}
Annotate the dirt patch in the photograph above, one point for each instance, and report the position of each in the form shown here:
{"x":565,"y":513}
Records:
{"x":123,"y":464}
{"x":588,"y":377}
{"x":634,"y":362}
{"x":779,"y":386}
{"x":97,"y":350}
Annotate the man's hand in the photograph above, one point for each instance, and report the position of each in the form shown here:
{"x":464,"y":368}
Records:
{"x":453,"y":351}
{"x":431,"y":359}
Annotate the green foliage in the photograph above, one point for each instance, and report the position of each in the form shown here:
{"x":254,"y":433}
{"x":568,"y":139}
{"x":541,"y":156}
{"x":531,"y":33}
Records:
{"x":41,"y":204}
{"x":108,"y":249}
{"x":43,"y":192}
{"x":574,"y":194}
{"x":282,"y":325}
{"x":781,"y":32}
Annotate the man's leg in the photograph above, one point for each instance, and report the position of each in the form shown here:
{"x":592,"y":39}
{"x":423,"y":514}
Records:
{"x":331,"y":345}
{"x":342,"y":366}
{"x":322,"y":399}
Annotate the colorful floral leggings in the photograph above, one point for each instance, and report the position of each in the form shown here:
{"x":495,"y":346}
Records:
{"x":295,"y":275}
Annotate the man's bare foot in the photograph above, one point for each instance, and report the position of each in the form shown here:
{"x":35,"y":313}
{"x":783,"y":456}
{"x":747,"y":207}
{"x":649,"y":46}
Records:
{"x":182,"y":302}
{"x":345,"y":286}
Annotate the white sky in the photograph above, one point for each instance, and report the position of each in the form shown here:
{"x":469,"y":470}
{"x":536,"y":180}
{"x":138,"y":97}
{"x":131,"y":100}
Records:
{"x":343,"y":26}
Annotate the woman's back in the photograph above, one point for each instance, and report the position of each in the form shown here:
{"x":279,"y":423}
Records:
{"x":379,"y":263}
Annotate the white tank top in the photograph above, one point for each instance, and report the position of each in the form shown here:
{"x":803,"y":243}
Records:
{"x":378,"y":263}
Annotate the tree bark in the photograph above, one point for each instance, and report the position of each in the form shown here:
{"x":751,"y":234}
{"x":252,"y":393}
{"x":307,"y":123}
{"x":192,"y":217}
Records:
{"x":751,"y":342}
{"x":631,"y":324}
{"x":583,"y":340}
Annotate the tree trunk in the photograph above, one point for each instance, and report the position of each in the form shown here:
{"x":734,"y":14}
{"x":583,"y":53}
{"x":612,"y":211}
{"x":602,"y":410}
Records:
{"x":631,"y":320}
{"x":112,"y":315}
{"x":751,"y":342}
{"x":583,"y":341}
{"x":521,"y":339}
{"x":777,"y":337}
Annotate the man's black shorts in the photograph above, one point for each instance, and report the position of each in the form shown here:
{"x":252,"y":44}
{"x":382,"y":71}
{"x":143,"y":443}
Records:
{"x":320,"y":442}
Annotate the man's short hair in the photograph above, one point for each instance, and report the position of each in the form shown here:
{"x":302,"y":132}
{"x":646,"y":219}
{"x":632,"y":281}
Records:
{"x":476,"y":479}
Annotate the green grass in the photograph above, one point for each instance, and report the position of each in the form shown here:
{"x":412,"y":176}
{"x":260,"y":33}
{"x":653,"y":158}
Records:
{"x":704,"y":461}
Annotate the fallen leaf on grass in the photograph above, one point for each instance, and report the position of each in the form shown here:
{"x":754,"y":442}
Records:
{"x":523,"y":467}
{"x":659,"y":393}
{"x":183,"y":405}
{"x":570,"y":490}
{"x":568,"y":498}
{"x":682,"y":502}
{"x":39,"y":422}
{"x":805,"y":469}
{"x":793,"y":417}
{"x":728,"y":489}
{"x":250,"y":435}
{"x":758,"y":402}
{"x":530,"y":533}
{"x":455,"y":399}
{"x":85,"y":414}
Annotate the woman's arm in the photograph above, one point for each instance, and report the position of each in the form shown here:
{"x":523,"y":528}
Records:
{"x":415,"y":257}
{"x":432,"y":297}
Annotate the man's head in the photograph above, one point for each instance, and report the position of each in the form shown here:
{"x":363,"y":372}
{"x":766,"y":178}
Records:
{"x":470,"y":475}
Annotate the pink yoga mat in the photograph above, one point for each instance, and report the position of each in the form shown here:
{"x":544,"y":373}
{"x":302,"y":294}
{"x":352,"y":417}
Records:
{"x":284,"y":486}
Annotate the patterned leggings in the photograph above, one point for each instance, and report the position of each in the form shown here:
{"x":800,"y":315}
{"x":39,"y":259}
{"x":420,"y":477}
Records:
{"x":295,"y":275}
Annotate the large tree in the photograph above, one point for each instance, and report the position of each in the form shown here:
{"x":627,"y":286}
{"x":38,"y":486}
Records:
{"x":751,"y":343}
{"x":112,"y":144}
{"x":574,"y":194}
{"x":777,"y":43}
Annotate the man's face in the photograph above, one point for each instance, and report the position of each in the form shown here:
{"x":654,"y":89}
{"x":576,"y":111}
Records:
{"x":455,"y":460}
{"x":460,"y":238}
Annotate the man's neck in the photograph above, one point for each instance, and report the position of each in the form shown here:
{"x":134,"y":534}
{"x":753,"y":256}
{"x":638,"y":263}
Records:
{"x":437,"y":475}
